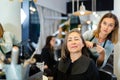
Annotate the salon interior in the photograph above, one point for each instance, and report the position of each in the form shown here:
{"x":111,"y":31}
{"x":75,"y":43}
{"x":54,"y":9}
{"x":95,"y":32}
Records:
{"x":33,"y":20}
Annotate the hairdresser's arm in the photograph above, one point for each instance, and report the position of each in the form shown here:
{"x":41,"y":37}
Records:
{"x":99,"y":50}
{"x":108,"y":50}
{"x":101,"y":57}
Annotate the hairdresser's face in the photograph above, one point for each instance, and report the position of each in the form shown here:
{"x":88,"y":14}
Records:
{"x":74,"y":43}
{"x":52,"y":41}
{"x":107,"y":26}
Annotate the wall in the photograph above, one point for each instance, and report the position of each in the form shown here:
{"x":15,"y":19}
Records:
{"x":10,"y":16}
{"x":117,"y":46}
{"x":57,"y":5}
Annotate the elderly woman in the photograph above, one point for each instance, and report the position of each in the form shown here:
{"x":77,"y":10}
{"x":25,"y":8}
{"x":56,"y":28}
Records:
{"x":74,"y":63}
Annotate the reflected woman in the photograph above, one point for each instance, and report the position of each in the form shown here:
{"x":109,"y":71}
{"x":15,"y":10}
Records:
{"x":7,"y":41}
{"x":47,"y":55}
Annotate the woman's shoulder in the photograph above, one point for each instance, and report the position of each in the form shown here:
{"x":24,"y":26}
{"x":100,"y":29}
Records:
{"x":45,"y":50}
{"x":7,"y":33}
{"x":82,"y":65}
{"x":88,"y":34}
{"x":78,"y":67}
{"x":109,"y":44}
{"x":88,"y":31}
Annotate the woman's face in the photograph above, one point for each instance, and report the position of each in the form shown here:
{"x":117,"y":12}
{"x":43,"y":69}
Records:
{"x":107,"y":26}
{"x":52,"y":41}
{"x":74,"y":42}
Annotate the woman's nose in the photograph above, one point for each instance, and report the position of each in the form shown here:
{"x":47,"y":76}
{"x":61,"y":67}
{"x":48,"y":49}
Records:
{"x":106,"y":27}
{"x":73,"y":42}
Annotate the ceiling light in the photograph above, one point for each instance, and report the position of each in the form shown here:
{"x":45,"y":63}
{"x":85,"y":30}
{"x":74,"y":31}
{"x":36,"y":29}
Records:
{"x":82,"y":9}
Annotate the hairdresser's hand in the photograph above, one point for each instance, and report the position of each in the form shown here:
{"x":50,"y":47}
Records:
{"x":45,"y":67}
{"x":29,"y":61}
{"x":89,"y":44}
{"x":100,"y":49}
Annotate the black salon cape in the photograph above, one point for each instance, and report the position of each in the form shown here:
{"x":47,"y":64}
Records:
{"x":82,"y":69}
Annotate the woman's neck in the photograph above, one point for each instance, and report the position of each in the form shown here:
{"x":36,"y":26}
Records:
{"x":75,"y":56}
{"x":102,"y":37}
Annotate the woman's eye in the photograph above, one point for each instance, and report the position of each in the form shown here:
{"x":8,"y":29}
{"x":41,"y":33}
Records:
{"x":69,"y":40}
{"x":76,"y":39}
{"x":111,"y":25}
{"x":104,"y":23}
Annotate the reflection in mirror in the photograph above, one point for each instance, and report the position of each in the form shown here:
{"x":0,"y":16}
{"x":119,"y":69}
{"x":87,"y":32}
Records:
{"x":30,"y":27}
{"x":34,"y":23}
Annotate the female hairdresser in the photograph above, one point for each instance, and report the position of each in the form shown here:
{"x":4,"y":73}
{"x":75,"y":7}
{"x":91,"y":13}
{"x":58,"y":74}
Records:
{"x":74,"y":63}
{"x":7,"y":40}
{"x":103,"y":38}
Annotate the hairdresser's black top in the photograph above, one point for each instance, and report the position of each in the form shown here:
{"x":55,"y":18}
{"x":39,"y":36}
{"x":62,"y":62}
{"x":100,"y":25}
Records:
{"x":82,"y":69}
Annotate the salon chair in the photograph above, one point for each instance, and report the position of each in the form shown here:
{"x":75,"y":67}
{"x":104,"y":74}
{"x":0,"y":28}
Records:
{"x":106,"y":75}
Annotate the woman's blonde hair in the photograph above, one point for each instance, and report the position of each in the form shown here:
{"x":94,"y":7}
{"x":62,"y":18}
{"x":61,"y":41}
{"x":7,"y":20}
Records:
{"x":1,"y":31}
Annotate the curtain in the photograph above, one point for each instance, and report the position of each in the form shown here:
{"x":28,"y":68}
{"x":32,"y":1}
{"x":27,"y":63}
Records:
{"x":47,"y":26}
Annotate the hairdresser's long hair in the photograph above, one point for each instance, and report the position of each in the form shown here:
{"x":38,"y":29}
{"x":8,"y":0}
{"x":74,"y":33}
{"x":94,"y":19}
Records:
{"x":48,"y":45}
